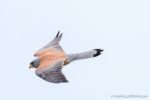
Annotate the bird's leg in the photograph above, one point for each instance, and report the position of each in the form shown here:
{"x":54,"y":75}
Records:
{"x":65,"y":61}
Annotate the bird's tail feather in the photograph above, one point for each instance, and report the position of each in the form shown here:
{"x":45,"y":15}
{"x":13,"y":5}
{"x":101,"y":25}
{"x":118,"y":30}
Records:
{"x":84,"y":55}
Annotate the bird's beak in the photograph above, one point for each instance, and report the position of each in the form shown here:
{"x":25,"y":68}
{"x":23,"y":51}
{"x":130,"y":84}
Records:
{"x":30,"y":66}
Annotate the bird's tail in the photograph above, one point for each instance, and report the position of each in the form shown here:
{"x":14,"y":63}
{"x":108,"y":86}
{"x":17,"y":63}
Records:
{"x":84,"y":55}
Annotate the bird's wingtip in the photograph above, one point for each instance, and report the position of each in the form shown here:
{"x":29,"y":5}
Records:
{"x":58,"y":34}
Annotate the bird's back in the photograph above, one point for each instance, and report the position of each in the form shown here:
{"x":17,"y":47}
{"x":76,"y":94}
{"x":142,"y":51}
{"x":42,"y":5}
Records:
{"x":49,"y":58}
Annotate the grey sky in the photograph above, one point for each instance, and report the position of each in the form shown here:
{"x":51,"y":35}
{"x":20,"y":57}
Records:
{"x":120,"y":27}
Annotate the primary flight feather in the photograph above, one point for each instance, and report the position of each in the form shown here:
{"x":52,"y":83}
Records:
{"x":51,"y":58}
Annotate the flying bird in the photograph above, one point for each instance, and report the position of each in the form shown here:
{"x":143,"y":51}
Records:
{"x":51,"y":58}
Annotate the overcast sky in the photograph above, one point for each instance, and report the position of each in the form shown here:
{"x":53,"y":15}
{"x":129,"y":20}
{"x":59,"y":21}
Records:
{"x":120,"y":27}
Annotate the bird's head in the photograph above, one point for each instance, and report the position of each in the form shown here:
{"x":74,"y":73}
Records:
{"x":35,"y":63}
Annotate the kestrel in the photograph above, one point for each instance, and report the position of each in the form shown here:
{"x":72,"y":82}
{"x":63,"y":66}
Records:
{"x":51,"y":59}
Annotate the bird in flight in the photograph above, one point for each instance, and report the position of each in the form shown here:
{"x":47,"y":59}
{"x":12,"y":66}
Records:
{"x":51,"y":58}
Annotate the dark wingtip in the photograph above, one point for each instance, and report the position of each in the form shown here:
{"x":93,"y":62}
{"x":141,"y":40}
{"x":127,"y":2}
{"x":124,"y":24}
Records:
{"x":98,"y":52}
{"x":57,"y":34}
{"x":65,"y":81}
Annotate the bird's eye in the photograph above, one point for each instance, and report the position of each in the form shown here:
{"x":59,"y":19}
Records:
{"x":31,"y":63}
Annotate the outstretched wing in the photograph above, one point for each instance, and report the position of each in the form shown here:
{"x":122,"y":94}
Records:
{"x":52,"y":73}
{"x":51,"y":46}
